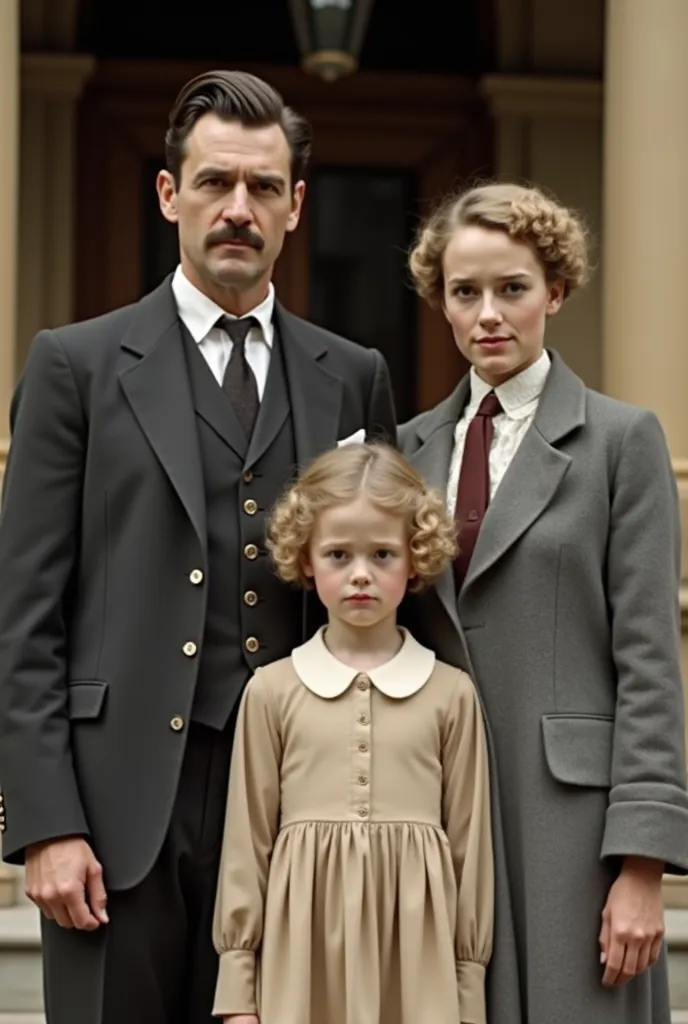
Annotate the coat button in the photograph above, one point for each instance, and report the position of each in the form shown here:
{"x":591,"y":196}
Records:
{"x":250,"y":598}
{"x":189,"y":649}
{"x":196,"y":577}
{"x":252,"y":645}
{"x":177,"y":724}
{"x":250,"y":551}
{"x":247,"y":476}
{"x":250,"y":507}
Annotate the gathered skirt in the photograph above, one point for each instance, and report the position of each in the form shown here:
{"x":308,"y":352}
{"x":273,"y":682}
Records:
{"x":359,"y":926}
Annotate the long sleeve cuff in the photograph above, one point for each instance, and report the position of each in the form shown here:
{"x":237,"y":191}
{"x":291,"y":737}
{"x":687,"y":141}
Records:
{"x":235,"y":991}
{"x":644,"y":827}
{"x":470,"y":977}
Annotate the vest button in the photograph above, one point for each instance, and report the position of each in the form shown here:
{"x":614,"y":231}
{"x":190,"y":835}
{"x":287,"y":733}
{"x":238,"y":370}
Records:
{"x":251,"y":551}
{"x":252,"y":645}
{"x":247,"y":476}
{"x":177,"y":724}
{"x":189,"y":649}
{"x":196,"y":577}
{"x":250,"y":507}
{"x":250,"y":598}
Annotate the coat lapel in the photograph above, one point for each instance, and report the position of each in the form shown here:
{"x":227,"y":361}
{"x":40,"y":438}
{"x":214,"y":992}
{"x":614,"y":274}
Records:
{"x":432,"y":459}
{"x":156,"y":384}
{"x":536,"y":472}
{"x":315,"y":394}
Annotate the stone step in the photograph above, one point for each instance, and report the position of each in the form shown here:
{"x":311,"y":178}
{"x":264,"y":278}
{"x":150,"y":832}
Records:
{"x":21,"y":993}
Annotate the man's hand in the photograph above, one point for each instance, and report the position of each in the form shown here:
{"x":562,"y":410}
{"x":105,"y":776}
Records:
{"x":65,"y":881}
{"x":632,"y":921}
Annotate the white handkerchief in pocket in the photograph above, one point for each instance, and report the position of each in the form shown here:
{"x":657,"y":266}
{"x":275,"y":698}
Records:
{"x":358,"y":437}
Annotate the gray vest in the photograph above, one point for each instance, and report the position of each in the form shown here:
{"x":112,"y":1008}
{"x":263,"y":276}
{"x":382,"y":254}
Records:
{"x":252,"y":618}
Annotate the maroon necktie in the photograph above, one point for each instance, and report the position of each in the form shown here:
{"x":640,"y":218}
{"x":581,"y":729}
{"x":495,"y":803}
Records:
{"x":473,"y":494}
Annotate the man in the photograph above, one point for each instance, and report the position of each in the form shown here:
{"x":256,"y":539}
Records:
{"x":136,"y":596}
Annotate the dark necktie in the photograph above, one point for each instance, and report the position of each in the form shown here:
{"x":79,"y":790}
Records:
{"x":473,"y":494}
{"x":239,"y":382}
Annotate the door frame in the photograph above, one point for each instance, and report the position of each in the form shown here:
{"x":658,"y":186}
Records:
{"x":437,"y":126}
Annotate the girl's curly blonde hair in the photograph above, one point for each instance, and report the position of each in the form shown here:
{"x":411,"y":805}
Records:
{"x":556,"y":235}
{"x":340,"y":476}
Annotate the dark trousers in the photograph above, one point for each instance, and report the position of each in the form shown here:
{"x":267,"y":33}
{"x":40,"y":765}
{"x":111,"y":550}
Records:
{"x":154,"y":963}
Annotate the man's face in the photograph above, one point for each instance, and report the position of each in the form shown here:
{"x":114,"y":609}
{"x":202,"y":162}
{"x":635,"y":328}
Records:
{"x":234,"y":204}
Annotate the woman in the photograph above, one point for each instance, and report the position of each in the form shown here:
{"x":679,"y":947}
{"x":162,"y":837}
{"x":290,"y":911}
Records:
{"x":567,"y":597}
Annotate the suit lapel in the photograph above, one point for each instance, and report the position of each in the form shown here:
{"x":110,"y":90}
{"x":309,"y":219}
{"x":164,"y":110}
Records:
{"x":536,"y":472}
{"x":315,"y":394}
{"x":432,"y":459}
{"x":156,"y":385}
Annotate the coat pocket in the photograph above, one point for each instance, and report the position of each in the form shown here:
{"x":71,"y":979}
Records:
{"x":85,"y":698}
{"x":578,"y":748}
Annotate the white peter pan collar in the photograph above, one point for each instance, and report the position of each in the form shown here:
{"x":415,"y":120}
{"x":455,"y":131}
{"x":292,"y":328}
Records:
{"x":326,"y":676}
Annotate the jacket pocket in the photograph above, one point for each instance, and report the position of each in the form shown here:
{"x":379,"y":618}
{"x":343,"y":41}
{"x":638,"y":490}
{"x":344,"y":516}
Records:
{"x":85,"y":698}
{"x":578,"y":748}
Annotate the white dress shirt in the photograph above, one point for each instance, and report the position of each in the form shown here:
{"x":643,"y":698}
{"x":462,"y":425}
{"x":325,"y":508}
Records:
{"x":200,"y":314}
{"x":519,"y":399}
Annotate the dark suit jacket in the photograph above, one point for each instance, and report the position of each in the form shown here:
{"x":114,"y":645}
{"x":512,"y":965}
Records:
{"x":102,"y":528}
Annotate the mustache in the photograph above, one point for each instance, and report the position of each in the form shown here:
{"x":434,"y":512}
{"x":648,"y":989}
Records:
{"x":231,"y":233}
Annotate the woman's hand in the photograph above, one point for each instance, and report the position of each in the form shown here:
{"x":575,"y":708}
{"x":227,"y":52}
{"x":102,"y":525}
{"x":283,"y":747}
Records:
{"x":632,"y":921}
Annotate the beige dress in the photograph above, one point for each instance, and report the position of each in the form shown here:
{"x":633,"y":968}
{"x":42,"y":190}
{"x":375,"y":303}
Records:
{"x":356,"y":883}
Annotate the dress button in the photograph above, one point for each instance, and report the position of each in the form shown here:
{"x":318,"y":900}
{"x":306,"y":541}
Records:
{"x":363,"y":780}
{"x":177,"y":724}
{"x":196,"y":576}
{"x":363,"y":812}
{"x":250,"y":598}
{"x":250,"y":507}
{"x":252,"y":645}
{"x":251,"y":551}
{"x":363,"y":719}
{"x":247,"y":476}
{"x":363,"y":747}
{"x":189,"y":649}
{"x":362,"y":683}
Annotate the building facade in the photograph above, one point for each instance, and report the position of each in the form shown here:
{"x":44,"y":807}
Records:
{"x":586,"y":100}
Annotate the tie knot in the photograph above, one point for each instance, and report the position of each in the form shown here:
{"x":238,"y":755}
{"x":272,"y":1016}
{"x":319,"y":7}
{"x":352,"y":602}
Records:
{"x":237,"y":329}
{"x":490,"y":405}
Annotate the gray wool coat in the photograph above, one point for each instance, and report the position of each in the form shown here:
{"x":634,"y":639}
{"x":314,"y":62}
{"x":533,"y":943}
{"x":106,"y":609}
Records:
{"x":568,"y":620}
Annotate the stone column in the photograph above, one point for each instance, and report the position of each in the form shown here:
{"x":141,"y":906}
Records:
{"x":9,"y":158}
{"x":645,"y":238}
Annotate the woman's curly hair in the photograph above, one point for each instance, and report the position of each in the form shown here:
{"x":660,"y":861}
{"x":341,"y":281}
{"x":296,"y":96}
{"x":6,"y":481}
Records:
{"x":557,"y":235}
{"x":340,"y":476}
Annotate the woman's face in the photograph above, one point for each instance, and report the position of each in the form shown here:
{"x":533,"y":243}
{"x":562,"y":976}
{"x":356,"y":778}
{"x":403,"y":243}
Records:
{"x":496,"y":299}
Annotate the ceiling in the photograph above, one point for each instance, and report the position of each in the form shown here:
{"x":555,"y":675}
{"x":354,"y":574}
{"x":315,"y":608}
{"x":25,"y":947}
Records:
{"x":431,"y":36}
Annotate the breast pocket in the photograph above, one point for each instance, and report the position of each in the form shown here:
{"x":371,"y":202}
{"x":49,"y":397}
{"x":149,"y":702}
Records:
{"x":578,"y":749}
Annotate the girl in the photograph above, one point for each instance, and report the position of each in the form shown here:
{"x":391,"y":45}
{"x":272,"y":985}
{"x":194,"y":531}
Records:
{"x":356,"y":877}
{"x":565,"y":596}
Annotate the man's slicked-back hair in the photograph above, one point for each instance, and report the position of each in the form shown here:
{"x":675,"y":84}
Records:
{"x":235,"y":96}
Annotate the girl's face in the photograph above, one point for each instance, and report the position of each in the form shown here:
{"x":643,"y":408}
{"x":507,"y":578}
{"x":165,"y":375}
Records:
{"x":497,"y":299}
{"x":360,"y":562}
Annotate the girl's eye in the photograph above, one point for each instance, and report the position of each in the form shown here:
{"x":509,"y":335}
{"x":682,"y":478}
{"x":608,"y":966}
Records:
{"x":337,"y":555}
{"x":464,"y":291}
{"x":514,"y":288}
{"x":383,"y":555}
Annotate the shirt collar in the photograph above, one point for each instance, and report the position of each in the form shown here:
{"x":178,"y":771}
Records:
{"x":516,"y":394}
{"x":326,"y":676}
{"x":200,"y":314}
